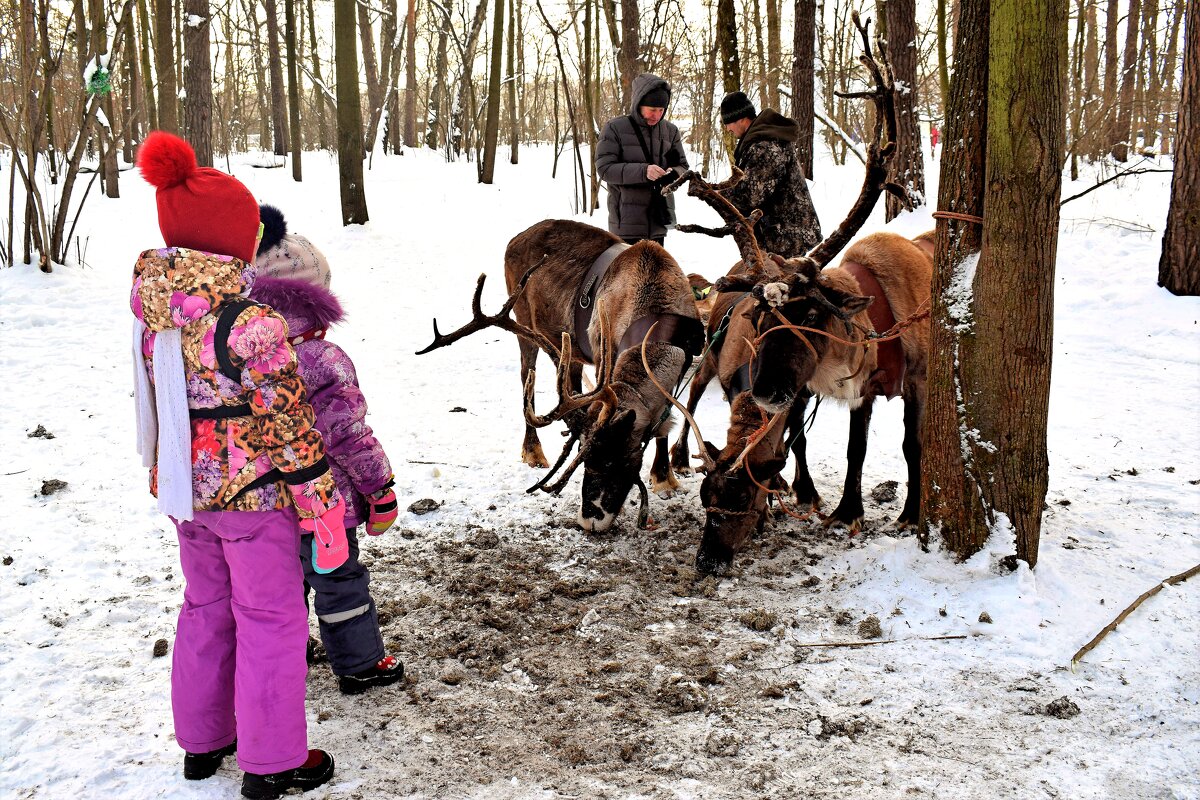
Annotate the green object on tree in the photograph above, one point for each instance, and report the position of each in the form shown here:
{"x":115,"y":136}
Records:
{"x":100,"y":82}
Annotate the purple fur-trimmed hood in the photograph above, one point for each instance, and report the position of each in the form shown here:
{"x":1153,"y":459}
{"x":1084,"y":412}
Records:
{"x":305,"y":306}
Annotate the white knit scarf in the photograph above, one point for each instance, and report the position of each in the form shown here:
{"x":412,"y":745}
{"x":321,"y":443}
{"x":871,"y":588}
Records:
{"x":163,"y":427}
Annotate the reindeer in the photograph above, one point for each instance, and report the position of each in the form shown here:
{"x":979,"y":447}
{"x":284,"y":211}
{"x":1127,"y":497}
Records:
{"x":746,"y":472}
{"x":581,"y":295}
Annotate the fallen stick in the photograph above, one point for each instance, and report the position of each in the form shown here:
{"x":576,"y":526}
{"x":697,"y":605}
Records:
{"x":1110,"y":627}
{"x":439,"y":463}
{"x":865,"y":643}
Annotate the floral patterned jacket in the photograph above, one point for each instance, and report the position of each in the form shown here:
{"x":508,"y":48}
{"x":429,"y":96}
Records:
{"x":188,"y":289}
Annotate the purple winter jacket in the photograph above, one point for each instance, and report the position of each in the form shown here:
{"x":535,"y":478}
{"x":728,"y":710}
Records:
{"x":360,"y":467}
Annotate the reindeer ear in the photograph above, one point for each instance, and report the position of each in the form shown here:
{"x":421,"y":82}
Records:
{"x":853,"y":304}
{"x":713,"y":450}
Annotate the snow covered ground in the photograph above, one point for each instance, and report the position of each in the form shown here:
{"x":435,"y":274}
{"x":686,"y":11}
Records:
{"x":545,"y":663}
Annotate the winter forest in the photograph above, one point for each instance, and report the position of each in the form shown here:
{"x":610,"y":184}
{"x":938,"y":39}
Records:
{"x":862,"y":338}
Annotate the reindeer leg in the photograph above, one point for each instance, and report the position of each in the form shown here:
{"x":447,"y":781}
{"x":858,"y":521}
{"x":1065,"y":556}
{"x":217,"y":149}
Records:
{"x":680,"y":455}
{"x":914,"y":412}
{"x":662,"y":479}
{"x":850,"y":510}
{"x":531,"y":449}
{"x":802,"y":485}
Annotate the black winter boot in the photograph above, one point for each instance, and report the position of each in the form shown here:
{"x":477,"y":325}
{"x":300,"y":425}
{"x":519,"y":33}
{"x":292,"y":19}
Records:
{"x":198,"y":766}
{"x":318,"y":769}
{"x":386,"y":671}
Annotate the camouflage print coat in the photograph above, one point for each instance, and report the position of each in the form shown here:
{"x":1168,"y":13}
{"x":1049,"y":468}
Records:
{"x":775,"y":183}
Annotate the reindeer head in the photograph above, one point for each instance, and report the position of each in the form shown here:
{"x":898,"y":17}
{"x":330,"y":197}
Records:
{"x":735,"y":490}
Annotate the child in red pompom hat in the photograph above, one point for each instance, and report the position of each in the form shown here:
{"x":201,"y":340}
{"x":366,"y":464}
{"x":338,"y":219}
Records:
{"x":226,"y":428}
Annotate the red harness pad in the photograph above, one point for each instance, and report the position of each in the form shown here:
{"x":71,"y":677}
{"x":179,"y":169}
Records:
{"x":888,"y":377}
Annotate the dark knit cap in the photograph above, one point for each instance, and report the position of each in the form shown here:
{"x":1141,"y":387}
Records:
{"x":736,"y":106}
{"x":656,"y":98}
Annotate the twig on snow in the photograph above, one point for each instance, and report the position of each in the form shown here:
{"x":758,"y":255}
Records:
{"x":1110,"y":627}
{"x":867,"y":642}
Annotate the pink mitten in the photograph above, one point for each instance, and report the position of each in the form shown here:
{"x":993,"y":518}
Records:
{"x":330,"y":547}
{"x":383,"y":510}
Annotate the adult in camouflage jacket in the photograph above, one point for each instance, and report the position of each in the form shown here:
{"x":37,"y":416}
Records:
{"x":774,"y":180}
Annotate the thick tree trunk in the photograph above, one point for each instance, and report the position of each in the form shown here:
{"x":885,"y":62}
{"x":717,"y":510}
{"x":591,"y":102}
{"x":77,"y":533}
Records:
{"x":410,"y":76}
{"x":513,"y":130}
{"x":1124,"y":115}
{"x":260,"y":80}
{"x":147,"y":72}
{"x":803,"y":87}
{"x":109,"y":173}
{"x":279,"y":130}
{"x":436,"y":101}
{"x":349,"y":115}
{"x":943,"y":56}
{"x":197,"y":81}
{"x":371,"y":70}
{"x":164,"y":65}
{"x":293,"y":87}
{"x":630,"y":47}
{"x":950,"y":493}
{"x":1111,"y":75}
{"x":908,"y":167}
{"x":731,"y":70}
{"x":1179,"y":267}
{"x":492,"y":127}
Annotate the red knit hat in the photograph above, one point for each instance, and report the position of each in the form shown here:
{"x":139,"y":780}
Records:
{"x":198,"y":207}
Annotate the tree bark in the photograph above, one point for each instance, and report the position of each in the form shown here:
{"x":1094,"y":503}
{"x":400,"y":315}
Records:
{"x":1120,"y":134}
{"x":293,"y":88}
{"x":1179,"y":267}
{"x":279,"y":130}
{"x":773,"y":54}
{"x":950,"y":491}
{"x":803,"y":86}
{"x":260,"y":80}
{"x":349,"y":115}
{"x":164,"y":65}
{"x":371,"y":70}
{"x":439,"y":87}
{"x":513,"y":130}
{"x":1111,"y":67}
{"x":109,"y":173}
{"x":197,"y":81}
{"x":460,"y":112}
{"x":764,"y":99}
{"x":630,"y":47}
{"x":1167,"y":78}
{"x":492,"y":127}
{"x":410,"y":78}
{"x":731,"y":70}
{"x":147,"y":72}
{"x":943,"y":57}
{"x":908,"y":166}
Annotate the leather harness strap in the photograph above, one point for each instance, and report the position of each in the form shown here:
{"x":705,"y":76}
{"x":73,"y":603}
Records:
{"x":587,"y":295}
{"x":890,"y":364}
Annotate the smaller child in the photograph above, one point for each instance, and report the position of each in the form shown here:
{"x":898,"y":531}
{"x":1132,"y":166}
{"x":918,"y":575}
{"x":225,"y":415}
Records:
{"x":293,"y":278}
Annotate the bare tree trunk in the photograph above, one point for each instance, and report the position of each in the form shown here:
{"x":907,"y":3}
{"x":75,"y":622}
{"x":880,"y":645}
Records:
{"x":803,"y":87}
{"x":1076,"y":106}
{"x":773,"y":58}
{"x":279,"y":131}
{"x":260,"y":80}
{"x":164,"y":63}
{"x":439,"y":86}
{"x":1179,"y":267}
{"x":731,"y":70}
{"x":131,"y":118}
{"x":908,"y":167}
{"x":950,"y":491}
{"x":513,"y":130}
{"x":197,"y":81}
{"x":293,"y":79}
{"x":1167,"y":78}
{"x":492,"y":127}
{"x":349,"y":116}
{"x":147,"y":72}
{"x":630,"y":47}
{"x":109,"y":173}
{"x":319,"y":91}
{"x":943,"y":57}
{"x":410,"y":77}
{"x":374,"y":92}
{"x":764,"y":98}
{"x":1120,"y":140}
{"x":1111,"y":79}
{"x":1091,"y":82}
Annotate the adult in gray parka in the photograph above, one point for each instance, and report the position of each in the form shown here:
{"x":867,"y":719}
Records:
{"x":637,"y":155}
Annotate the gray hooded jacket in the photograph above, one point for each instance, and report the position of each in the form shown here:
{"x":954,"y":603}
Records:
{"x":621,"y":163}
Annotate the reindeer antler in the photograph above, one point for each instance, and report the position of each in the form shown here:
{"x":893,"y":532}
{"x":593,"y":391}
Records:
{"x":568,"y":401}
{"x":707,"y":462}
{"x":501,"y":319}
{"x":879,"y":151}
{"x":737,"y":224}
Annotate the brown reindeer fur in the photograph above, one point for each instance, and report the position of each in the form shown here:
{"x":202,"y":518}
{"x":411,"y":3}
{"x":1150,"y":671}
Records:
{"x":642,"y":280}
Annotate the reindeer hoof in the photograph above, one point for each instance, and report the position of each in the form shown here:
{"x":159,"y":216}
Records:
{"x":852,"y":526}
{"x":682,"y":472}
{"x":664,"y":488}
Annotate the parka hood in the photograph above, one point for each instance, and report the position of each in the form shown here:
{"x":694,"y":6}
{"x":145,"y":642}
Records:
{"x":643,"y":85}
{"x":173,"y":286}
{"x":305,"y":306}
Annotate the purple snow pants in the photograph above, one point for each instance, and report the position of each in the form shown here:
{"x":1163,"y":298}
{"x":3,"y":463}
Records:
{"x":238,"y":670}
